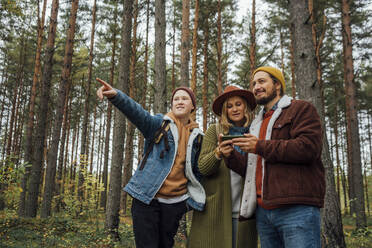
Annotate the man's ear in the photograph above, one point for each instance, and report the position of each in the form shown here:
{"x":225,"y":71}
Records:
{"x":278,"y":85}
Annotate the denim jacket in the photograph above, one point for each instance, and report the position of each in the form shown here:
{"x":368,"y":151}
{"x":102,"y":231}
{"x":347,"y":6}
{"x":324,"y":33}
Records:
{"x":146,"y":182}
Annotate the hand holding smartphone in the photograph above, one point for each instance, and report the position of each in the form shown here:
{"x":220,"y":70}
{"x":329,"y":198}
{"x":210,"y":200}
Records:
{"x":228,"y":137}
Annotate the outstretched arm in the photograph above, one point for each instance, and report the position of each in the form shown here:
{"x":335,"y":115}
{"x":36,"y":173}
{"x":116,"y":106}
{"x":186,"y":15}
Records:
{"x":141,"y":118}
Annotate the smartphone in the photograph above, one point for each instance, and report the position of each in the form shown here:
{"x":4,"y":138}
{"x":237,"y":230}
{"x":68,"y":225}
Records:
{"x":227,"y":137}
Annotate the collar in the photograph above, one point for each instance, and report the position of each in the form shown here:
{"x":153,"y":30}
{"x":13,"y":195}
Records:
{"x":273,"y":108}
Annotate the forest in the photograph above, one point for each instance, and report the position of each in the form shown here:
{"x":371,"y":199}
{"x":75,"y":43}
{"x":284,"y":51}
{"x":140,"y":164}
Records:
{"x":65,"y":156}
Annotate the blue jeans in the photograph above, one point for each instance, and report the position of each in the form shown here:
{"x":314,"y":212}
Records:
{"x":296,"y":226}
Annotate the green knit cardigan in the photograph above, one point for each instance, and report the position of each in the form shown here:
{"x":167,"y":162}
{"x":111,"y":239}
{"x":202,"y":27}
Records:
{"x":212,"y":228}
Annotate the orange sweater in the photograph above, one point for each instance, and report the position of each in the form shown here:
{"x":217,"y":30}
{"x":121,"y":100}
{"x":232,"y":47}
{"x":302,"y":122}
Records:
{"x":176,"y":182}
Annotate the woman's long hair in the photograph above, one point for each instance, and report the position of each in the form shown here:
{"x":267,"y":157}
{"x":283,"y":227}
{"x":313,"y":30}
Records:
{"x":226,"y":123}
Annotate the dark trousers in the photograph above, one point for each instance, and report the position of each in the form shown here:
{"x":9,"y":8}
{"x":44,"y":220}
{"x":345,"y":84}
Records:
{"x":155,"y":225}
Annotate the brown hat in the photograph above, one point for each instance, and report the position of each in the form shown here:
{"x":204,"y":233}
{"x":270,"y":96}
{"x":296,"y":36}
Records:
{"x":189,"y":91}
{"x":231,"y":91}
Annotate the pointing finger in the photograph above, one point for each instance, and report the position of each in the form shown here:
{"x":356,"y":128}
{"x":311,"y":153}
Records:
{"x":105,"y":84}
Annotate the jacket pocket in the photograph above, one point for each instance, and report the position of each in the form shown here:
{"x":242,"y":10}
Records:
{"x":281,"y":129}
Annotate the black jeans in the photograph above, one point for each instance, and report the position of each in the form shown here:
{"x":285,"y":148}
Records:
{"x":155,"y":225}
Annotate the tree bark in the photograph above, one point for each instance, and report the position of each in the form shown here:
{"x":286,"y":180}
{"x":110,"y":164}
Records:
{"x":353,"y":143}
{"x":252,"y":47}
{"x":144,"y":94}
{"x":59,"y":185}
{"x":103,"y":199}
{"x":128,"y":161}
{"x":160,"y":95}
{"x":293,"y":80}
{"x":219,"y":49}
{"x":309,"y":88}
{"x":30,"y":123}
{"x":84,"y":146}
{"x":173,"y":48}
{"x":113,"y":201}
{"x":40,"y":131}
{"x":61,"y":101}
{"x":194,"y":48}
{"x":185,"y":43}
{"x":205,"y":74}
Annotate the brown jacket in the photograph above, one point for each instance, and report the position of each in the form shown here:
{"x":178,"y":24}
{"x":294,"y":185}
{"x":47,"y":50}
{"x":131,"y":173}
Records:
{"x":293,"y":172}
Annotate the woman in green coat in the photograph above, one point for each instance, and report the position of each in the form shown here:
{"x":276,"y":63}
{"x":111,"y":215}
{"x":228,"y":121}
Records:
{"x":218,"y":225}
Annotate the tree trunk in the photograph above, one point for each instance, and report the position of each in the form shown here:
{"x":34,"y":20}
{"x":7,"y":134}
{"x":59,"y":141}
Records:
{"x":143,"y":101}
{"x":293,"y":81}
{"x":34,"y":183}
{"x":335,"y":130}
{"x":15,"y":100}
{"x":75,"y":136}
{"x":194,"y":48}
{"x":128,"y":162}
{"x":160,"y":95}
{"x":219,"y":49}
{"x":185,"y":43}
{"x":84,"y":145}
{"x":343,"y":175}
{"x":205,"y":74}
{"x":61,"y":101}
{"x":304,"y":59}
{"x":103,"y":199}
{"x":173,"y":48}
{"x":352,"y":131}
{"x":252,"y":47}
{"x":30,"y":124}
{"x":113,"y":201}
{"x":93,"y":139}
{"x":65,"y":160}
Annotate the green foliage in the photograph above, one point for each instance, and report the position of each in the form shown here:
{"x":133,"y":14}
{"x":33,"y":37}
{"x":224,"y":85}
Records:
{"x":60,"y":231}
{"x":357,"y":238}
{"x":10,"y":178}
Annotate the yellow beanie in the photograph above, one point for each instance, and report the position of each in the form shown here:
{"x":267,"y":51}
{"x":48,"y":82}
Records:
{"x":274,"y":72}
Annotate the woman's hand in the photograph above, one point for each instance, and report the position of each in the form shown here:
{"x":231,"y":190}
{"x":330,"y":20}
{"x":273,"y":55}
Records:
{"x":105,"y":90}
{"x":224,"y":148}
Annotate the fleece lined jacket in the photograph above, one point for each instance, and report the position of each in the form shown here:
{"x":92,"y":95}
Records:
{"x":292,"y":171}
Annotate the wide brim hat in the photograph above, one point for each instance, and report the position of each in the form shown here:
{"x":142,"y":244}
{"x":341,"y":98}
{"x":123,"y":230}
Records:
{"x":231,"y":91}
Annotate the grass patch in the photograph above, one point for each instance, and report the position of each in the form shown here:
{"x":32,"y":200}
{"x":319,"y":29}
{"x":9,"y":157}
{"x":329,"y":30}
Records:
{"x":65,"y":231}
{"x":59,"y":231}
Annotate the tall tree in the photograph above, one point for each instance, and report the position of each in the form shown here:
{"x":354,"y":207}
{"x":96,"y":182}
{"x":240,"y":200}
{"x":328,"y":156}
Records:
{"x":219,"y":48}
{"x":160,"y":95}
{"x":352,"y":131}
{"x":128,"y":162}
{"x":61,"y":101}
{"x":30,"y":123}
{"x":194,"y":48}
{"x":84,"y":145}
{"x":113,"y":201}
{"x":141,"y":140}
{"x":114,"y":33}
{"x":40,"y":131}
{"x":309,"y":88}
{"x":185,"y":43}
{"x":252,"y":47}
{"x":205,"y":71}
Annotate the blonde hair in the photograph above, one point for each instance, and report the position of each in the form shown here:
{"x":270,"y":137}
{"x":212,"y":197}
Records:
{"x":224,"y":119}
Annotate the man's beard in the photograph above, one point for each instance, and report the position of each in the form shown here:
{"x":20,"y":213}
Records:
{"x":269,"y":98}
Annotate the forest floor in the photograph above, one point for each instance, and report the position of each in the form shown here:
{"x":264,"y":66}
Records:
{"x":64,"y":231}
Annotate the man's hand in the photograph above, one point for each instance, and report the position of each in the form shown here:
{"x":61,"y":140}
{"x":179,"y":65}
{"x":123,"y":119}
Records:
{"x":105,"y":90}
{"x":246,"y":144}
{"x":225,"y":147}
